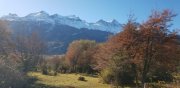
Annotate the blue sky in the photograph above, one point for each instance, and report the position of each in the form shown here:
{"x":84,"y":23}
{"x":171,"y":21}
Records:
{"x":92,"y":10}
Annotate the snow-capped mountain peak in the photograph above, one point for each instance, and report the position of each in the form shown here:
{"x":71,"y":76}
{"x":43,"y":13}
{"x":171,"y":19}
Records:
{"x":13,"y":15}
{"x":10,"y":17}
{"x":115,"y":21}
{"x":101,"y":21}
{"x":73,"y":17}
{"x":38,"y":14}
{"x":72,"y":20}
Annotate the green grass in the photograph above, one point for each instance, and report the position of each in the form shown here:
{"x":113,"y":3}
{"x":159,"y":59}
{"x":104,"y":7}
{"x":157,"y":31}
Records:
{"x":66,"y":81}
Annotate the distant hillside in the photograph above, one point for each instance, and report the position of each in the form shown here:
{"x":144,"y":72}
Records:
{"x":57,"y":36}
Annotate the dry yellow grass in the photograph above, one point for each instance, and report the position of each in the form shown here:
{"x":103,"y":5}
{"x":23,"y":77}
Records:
{"x":65,"y":80}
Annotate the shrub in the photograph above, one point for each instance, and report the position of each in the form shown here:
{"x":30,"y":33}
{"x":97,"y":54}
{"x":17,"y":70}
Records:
{"x":106,"y":75}
{"x":81,"y":78}
{"x":55,"y":64}
{"x":160,"y":75}
{"x":11,"y":78}
{"x":44,"y":67}
{"x":44,"y":70}
{"x":155,"y":85}
{"x":125,"y":78}
{"x":117,"y":77}
{"x":163,"y":76}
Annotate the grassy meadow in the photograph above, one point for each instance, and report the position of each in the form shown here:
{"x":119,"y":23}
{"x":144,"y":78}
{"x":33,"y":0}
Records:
{"x":71,"y":81}
{"x":66,"y":81}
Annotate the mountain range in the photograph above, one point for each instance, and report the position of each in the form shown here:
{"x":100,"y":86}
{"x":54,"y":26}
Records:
{"x":59,"y":31}
{"x":72,"y":20}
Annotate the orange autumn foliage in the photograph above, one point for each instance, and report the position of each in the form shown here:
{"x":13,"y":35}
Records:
{"x":147,"y":45}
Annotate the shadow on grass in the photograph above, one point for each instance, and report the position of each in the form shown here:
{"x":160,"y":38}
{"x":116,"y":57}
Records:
{"x":37,"y":85}
{"x":32,"y":81}
{"x":48,"y":86}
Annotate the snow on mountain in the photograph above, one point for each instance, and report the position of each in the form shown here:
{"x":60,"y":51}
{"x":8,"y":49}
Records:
{"x":10,"y":17}
{"x":72,"y":20}
{"x":39,"y":16}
